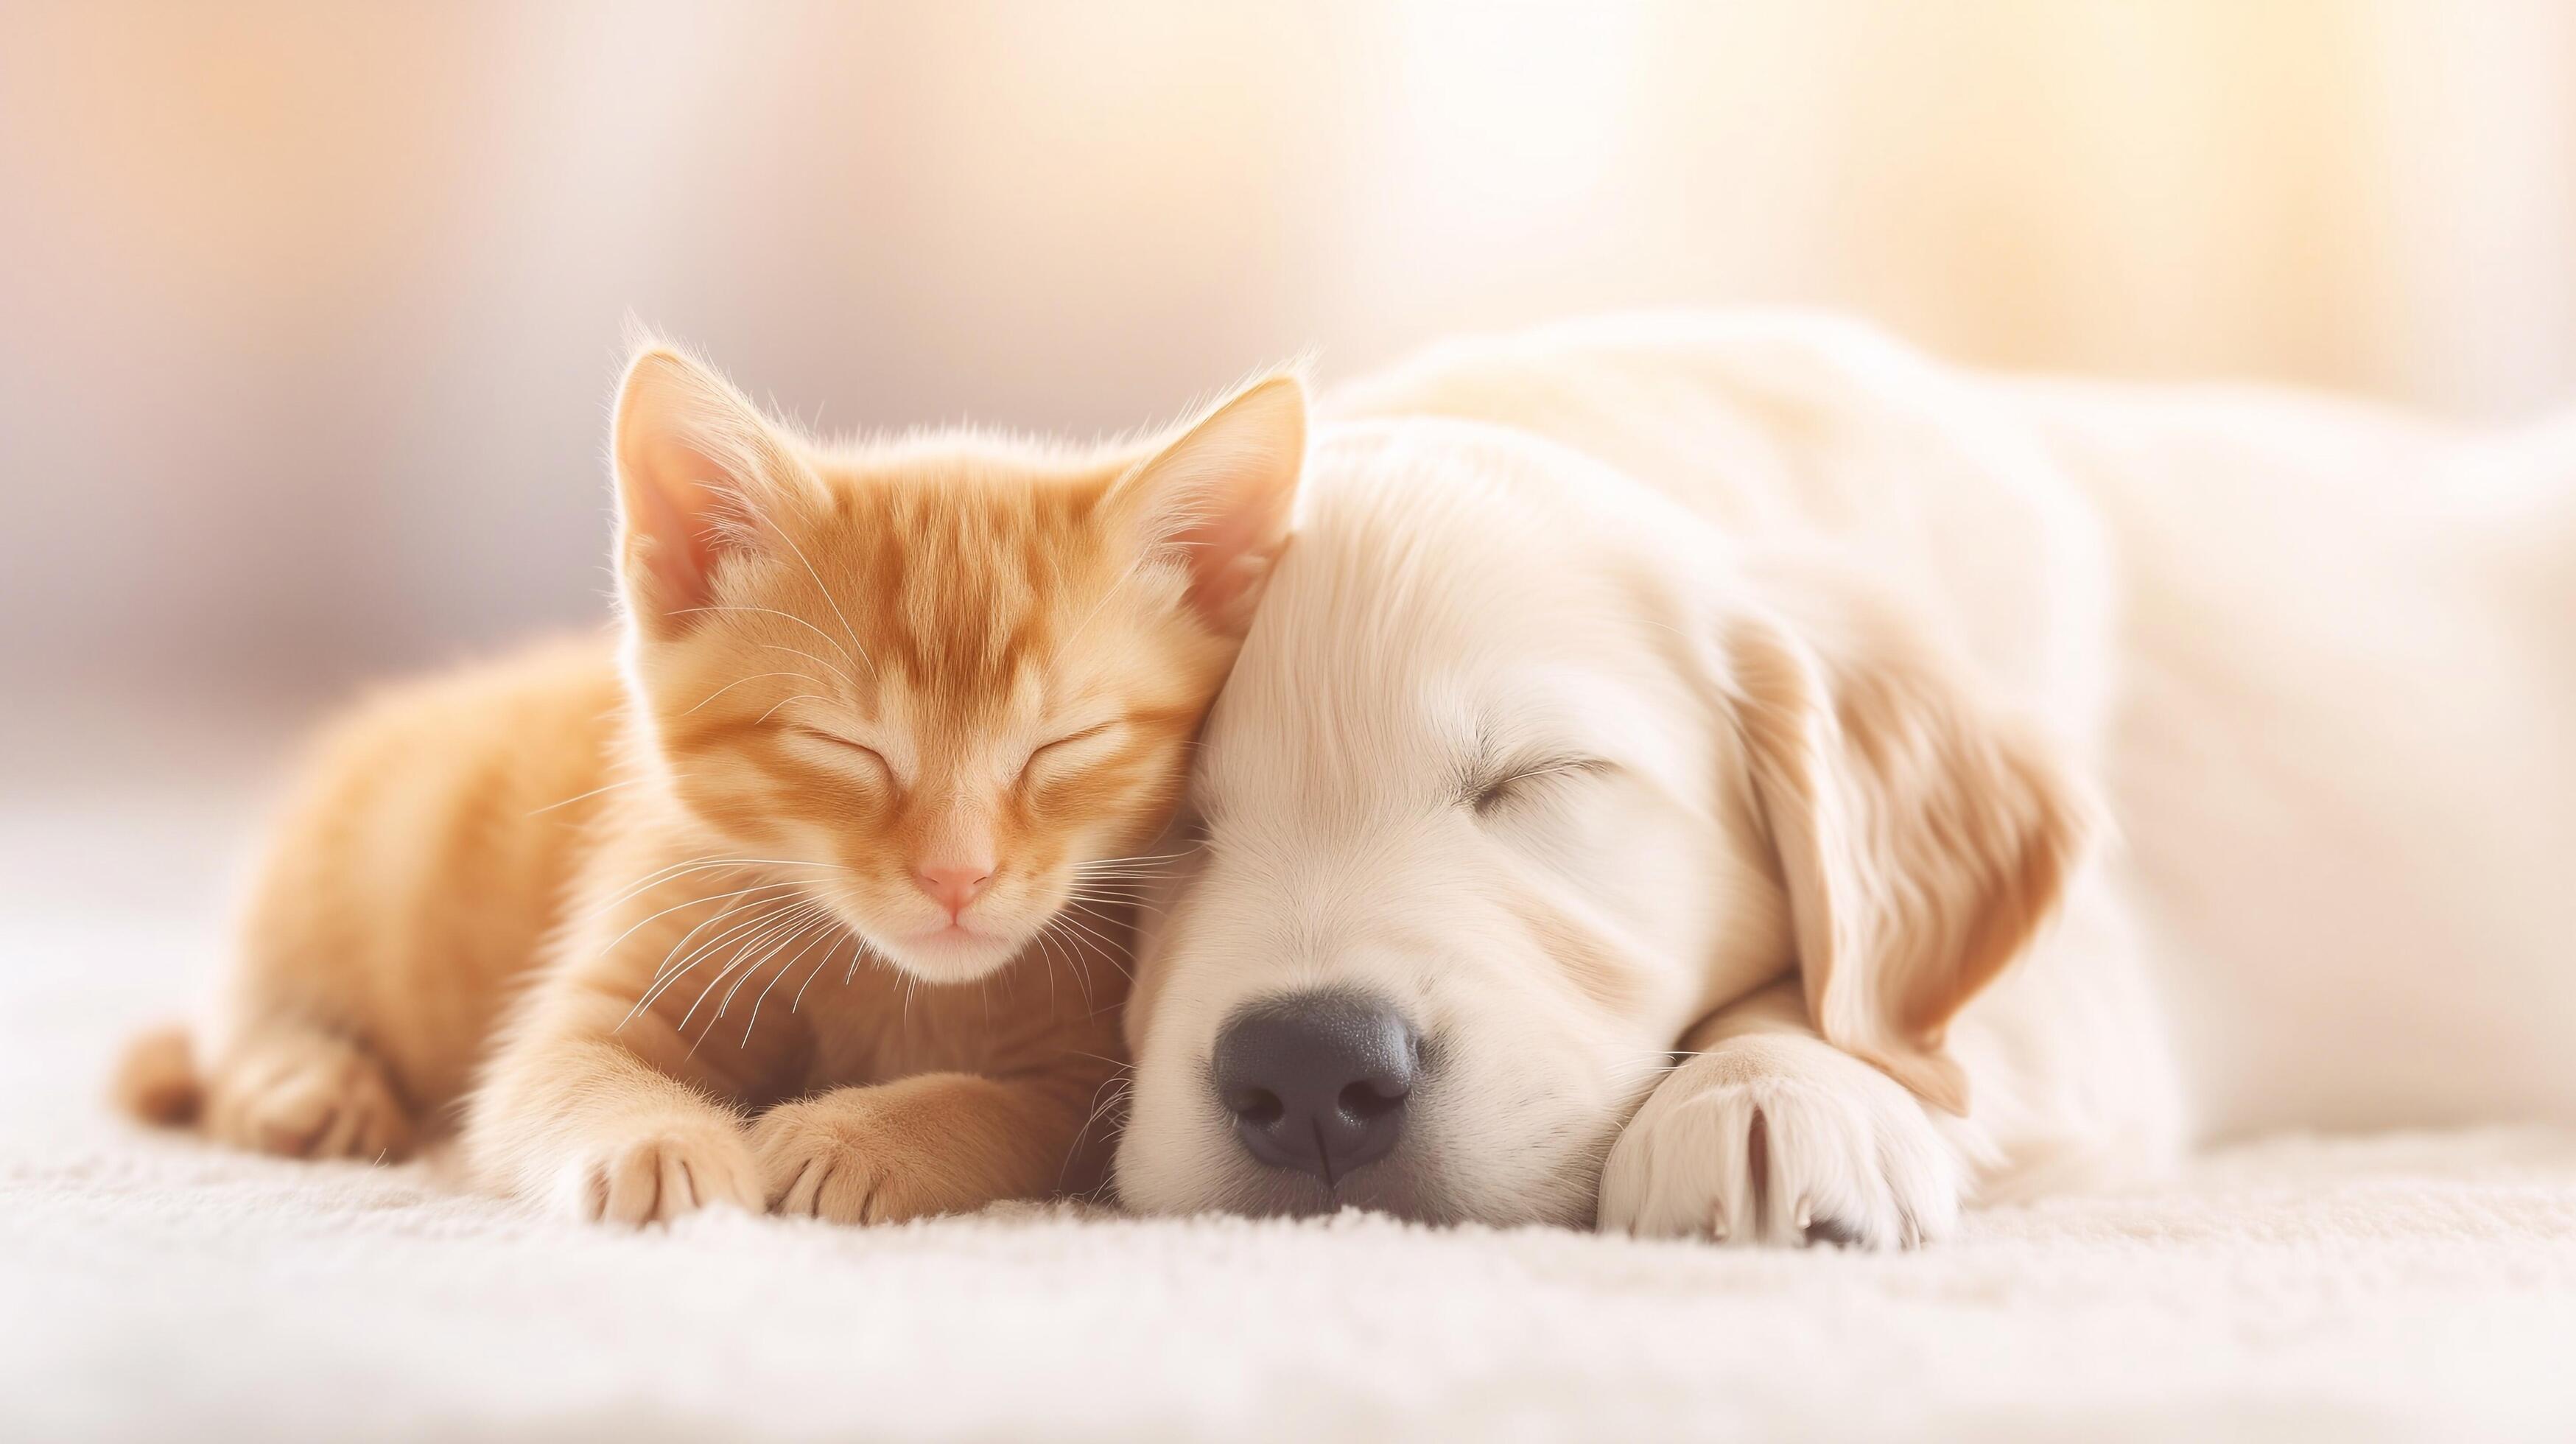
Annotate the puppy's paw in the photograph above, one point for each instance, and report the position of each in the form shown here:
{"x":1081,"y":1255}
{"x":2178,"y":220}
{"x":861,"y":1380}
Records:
{"x":844,"y":1157}
{"x":1785,"y":1141}
{"x":654,"y":1172}
{"x":305,"y":1093}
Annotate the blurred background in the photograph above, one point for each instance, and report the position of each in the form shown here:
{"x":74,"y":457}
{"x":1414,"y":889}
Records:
{"x":308,"y":314}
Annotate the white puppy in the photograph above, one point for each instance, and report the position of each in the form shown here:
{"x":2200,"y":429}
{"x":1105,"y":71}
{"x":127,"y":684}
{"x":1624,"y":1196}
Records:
{"x":1734,"y":777}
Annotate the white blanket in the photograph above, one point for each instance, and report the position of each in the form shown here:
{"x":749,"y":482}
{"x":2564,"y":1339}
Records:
{"x":2420,"y":1286}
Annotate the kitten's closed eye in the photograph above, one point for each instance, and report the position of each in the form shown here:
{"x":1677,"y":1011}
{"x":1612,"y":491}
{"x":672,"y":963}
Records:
{"x":885,"y":769}
{"x":1067,"y":752}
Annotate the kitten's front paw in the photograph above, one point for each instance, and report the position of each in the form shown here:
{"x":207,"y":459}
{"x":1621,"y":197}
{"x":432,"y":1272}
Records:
{"x":658,"y":1173}
{"x":834,"y":1158}
{"x":1781,"y":1140}
{"x":305,"y":1093}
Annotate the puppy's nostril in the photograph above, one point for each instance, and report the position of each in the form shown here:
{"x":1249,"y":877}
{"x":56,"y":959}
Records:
{"x":1257,"y":1106}
{"x":1372,"y":1098}
{"x":1317,"y":1082}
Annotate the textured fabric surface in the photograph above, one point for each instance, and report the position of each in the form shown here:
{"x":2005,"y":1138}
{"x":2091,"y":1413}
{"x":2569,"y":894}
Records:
{"x":2417,"y":1286}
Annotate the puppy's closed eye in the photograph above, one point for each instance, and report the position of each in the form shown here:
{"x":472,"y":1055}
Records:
{"x":1495,"y":788}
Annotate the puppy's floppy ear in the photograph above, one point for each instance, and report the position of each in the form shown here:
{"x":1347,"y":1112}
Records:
{"x":1222,"y":495}
{"x":1921,"y":840}
{"x":696,"y":465}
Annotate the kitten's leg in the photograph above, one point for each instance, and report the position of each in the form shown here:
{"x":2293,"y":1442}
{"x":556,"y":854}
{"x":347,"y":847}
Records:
{"x":289,"y":1087}
{"x":408,"y":885}
{"x":929,"y":1144}
{"x":596,"y":1115}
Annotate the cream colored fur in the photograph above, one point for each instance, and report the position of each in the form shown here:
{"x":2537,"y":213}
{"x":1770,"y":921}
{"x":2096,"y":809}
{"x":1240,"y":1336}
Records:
{"x":1857,"y":655}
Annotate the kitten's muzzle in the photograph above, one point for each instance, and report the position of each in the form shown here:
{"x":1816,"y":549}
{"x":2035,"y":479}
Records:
{"x":1318,"y":1082}
{"x":954,"y":885}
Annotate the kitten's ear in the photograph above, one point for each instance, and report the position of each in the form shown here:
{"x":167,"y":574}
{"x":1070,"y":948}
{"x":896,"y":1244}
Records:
{"x":1223,"y":494}
{"x":697,"y":463}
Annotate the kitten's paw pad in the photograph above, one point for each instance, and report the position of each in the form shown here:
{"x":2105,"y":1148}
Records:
{"x":658,"y":1175}
{"x":1783,"y":1142}
{"x":308,"y":1095}
{"x":825,"y":1158}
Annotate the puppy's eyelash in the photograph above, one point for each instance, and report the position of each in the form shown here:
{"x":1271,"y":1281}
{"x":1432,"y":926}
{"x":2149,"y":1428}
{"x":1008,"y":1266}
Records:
{"x":1488,"y":793}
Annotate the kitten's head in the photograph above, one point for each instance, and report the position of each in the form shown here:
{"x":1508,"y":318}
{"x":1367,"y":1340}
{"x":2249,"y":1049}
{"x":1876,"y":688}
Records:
{"x":932,"y":678}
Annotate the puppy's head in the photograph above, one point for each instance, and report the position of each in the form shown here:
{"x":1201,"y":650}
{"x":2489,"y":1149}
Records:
{"x":1518,"y":775}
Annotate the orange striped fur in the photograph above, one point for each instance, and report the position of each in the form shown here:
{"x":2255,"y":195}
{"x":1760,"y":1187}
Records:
{"x":660,"y":920}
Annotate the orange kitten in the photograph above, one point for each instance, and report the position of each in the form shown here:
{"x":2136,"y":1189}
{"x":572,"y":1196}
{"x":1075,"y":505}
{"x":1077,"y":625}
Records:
{"x":814,"y":899}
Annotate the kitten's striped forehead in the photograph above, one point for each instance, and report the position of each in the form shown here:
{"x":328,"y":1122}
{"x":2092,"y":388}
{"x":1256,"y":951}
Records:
{"x":960,"y":583}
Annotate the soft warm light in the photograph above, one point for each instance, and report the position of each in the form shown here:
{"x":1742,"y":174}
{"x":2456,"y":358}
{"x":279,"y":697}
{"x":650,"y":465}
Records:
{"x":288,"y":286}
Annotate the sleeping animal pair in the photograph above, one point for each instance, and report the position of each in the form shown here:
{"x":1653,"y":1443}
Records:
{"x":1665,"y":783}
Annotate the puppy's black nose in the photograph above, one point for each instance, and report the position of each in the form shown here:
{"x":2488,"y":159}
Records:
{"x":1317,"y":1081}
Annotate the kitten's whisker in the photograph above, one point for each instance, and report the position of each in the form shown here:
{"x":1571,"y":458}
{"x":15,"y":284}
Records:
{"x":578,"y":796}
{"x":1039,"y":942}
{"x":754,"y":677}
{"x":1139,"y":857}
{"x":791,"y":616}
{"x":846,"y":679}
{"x":785,"y":968}
{"x":1081,"y":977}
{"x":1067,"y":918}
{"x":1106,"y":593}
{"x":682,"y":869}
{"x":769,"y":910}
{"x":814,"y":915}
{"x":788,"y":930}
{"x":788,"y":927}
{"x":693,"y":902}
{"x":1117,"y":1097}
{"x":1116,"y":903}
{"x":1080,"y":955}
{"x":820,"y":964}
{"x":783,"y":701}
{"x":1107,"y":919}
{"x":830,"y":601}
{"x":741,"y":900}
{"x":655,"y":877}
{"x":669,"y":979}
{"x":1109,"y":952}
{"x":768,"y":921}
{"x":1115,"y":900}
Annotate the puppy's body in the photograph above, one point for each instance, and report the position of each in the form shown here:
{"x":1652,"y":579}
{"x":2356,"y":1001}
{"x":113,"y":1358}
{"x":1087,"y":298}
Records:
{"x":2343,"y":755}
{"x":2309,"y":649}
{"x":1927,"y":632}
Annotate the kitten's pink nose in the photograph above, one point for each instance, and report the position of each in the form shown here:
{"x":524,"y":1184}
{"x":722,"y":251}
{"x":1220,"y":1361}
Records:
{"x":953,"y":885}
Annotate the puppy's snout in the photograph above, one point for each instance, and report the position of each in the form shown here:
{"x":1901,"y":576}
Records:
{"x":1318,"y":1081}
